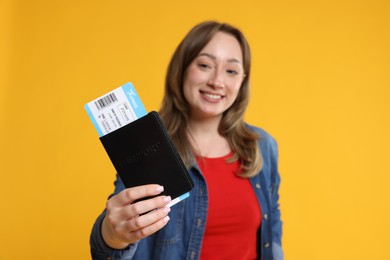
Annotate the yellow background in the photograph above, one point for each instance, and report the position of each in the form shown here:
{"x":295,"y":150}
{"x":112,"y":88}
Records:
{"x":320,"y":86}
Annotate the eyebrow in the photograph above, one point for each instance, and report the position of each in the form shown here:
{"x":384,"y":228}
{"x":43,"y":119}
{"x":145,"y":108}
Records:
{"x":214,"y":58}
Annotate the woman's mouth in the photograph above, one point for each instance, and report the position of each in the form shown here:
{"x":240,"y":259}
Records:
{"x":212,"y":96}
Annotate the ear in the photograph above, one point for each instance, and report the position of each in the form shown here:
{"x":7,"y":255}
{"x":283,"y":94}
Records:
{"x":243,"y":78}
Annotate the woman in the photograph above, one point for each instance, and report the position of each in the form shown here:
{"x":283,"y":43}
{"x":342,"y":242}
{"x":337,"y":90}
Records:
{"x":233,"y":211}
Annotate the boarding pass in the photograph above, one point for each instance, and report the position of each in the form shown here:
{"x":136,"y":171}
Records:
{"x":115,"y":109}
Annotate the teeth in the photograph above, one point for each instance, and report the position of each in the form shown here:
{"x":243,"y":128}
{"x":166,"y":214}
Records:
{"x":213,"y":96}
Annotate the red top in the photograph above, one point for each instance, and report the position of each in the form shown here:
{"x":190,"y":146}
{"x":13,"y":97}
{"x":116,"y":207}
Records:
{"x":234,"y":215}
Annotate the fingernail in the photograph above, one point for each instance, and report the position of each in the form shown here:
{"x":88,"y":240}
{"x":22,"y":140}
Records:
{"x":166,"y":219}
{"x":159,"y":189}
{"x":167,"y":199}
{"x":166,"y":210}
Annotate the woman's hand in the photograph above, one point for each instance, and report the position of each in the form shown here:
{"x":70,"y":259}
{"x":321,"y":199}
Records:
{"x":125,"y":222}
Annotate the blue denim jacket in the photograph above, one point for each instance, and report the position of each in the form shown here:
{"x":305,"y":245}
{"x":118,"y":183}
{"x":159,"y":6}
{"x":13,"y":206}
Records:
{"x":182,"y":237}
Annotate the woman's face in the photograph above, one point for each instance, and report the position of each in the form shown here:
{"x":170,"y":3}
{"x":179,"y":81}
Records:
{"x":214,"y":77}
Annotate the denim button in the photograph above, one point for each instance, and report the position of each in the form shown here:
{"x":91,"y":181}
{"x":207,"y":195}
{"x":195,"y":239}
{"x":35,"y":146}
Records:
{"x":199,"y":222}
{"x":266,"y":245}
{"x":265,"y":216}
{"x":258,"y":186}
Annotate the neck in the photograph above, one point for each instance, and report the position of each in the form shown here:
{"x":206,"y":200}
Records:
{"x":205,"y":138}
{"x":204,"y":127}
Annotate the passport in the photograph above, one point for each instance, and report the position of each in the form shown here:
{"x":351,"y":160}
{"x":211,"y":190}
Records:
{"x":142,"y":152}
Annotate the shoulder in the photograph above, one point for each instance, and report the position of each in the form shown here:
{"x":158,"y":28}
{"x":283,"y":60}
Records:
{"x":266,"y":140}
{"x":269,"y":153}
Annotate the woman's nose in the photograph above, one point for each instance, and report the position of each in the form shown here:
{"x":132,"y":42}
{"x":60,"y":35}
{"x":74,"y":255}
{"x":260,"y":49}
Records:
{"x":217,"y":80}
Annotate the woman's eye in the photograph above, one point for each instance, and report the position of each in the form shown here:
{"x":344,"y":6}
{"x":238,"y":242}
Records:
{"x":232,"y":72}
{"x":203,"y":65}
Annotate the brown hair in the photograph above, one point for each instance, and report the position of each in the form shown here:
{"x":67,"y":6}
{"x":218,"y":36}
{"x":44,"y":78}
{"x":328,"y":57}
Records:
{"x":175,"y":109}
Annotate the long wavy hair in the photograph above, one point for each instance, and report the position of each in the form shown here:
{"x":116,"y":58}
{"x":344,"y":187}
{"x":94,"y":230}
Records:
{"x":174,"y":109}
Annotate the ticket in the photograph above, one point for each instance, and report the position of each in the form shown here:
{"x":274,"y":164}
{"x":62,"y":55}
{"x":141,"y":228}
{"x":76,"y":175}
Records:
{"x":115,"y":109}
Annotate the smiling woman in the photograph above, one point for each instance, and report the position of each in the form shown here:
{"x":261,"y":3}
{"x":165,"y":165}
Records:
{"x":214,"y":78}
{"x":206,"y":94}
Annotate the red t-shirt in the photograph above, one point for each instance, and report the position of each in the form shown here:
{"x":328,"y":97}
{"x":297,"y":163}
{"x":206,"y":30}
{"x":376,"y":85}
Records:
{"x":234,"y":215}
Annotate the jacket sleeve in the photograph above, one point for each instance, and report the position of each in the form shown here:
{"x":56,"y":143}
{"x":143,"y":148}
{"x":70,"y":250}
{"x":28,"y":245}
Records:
{"x":277,"y":250}
{"x":99,"y":249}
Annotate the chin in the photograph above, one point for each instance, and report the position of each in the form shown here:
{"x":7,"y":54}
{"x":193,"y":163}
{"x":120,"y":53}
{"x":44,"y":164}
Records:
{"x":209,"y":114}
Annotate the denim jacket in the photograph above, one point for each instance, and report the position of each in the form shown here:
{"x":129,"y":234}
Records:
{"x":182,"y":237}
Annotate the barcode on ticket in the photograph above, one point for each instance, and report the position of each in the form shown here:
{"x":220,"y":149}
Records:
{"x":106,"y":101}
